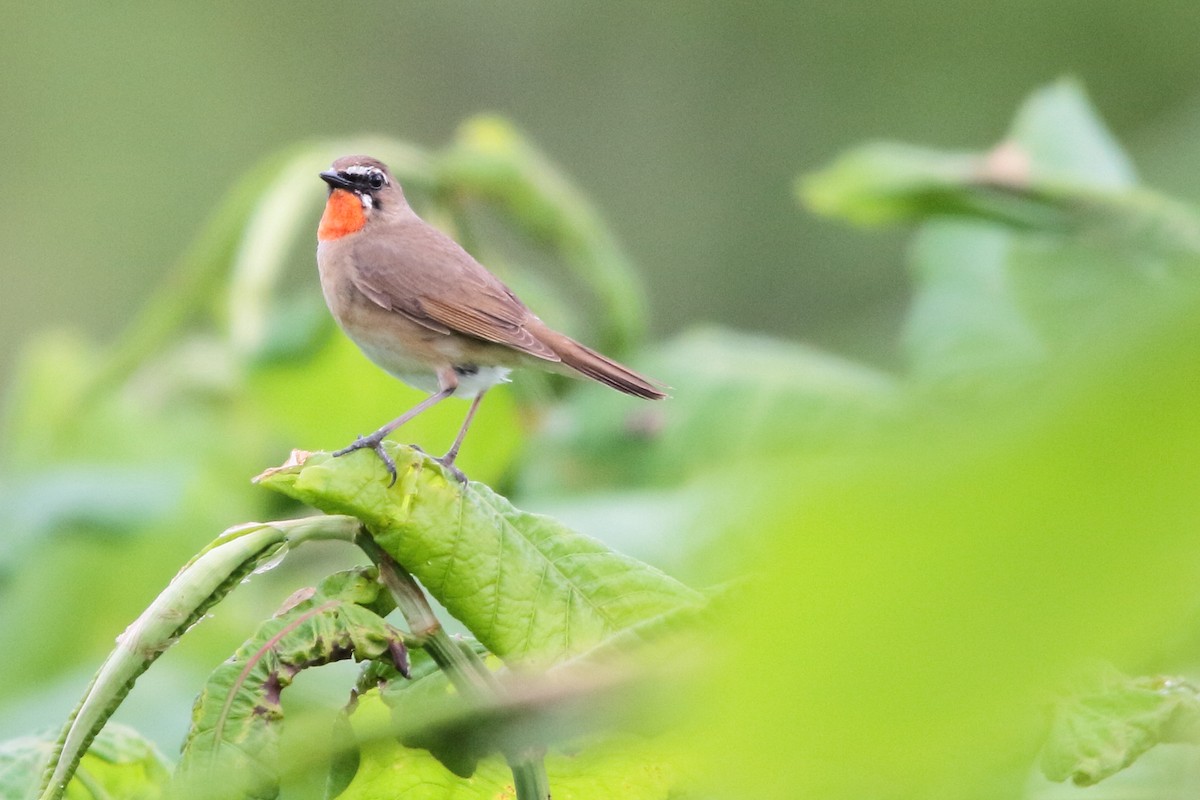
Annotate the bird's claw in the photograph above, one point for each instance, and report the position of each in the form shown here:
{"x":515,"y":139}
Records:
{"x":375,"y":442}
{"x":448,"y":465}
{"x":447,"y":461}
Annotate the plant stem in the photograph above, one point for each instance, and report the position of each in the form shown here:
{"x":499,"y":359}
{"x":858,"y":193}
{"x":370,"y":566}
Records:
{"x":465,"y":669}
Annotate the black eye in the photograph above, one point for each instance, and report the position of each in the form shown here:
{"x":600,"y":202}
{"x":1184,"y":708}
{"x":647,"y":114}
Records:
{"x":375,"y":180}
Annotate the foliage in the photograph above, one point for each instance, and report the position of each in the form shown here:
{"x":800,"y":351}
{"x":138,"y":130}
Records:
{"x":1102,"y":729}
{"x":921,"y":558}
{"x":530,"y":590}
{"x":1031,"y":508}
{"x":120,"y":763}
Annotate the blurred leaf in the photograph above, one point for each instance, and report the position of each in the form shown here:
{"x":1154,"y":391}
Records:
{"x":1066,"y":142}
{"x":628,"y":767}
{"x":1071,"y":291}
{"x":124,"y":763}
{"x":731,"y":393}
{"x":120,"y":764}
{"x":965,"y":324}
{"x":236,"y":718}
{"x":665,"y":527}
{"x":529,"y":589}
{"x":884,"y":182}
{"x":48,"y":388}
{"x":152,"y":459}
{"x":916,"y":600}
{"x":995,"y":296}
{"x":992,"y":301}
{"x":1059,"y":172}
{"x":117,"y":501}
{"x":1098,"y":732}
{"x":616,"y":686}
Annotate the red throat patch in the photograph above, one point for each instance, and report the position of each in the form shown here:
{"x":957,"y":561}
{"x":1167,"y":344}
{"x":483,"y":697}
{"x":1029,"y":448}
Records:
{"x":343,"y":215}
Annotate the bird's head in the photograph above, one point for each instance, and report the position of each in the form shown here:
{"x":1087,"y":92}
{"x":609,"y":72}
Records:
{"x":360,"y":188}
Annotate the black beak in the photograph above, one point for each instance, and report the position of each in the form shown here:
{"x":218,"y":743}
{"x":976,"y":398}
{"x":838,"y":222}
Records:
{"x":335,"y":180}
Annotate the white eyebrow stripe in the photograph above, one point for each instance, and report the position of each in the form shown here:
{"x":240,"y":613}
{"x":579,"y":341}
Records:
{"x":366,"y":171}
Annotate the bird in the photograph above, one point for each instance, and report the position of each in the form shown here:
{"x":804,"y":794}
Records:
{"x":424,"y":310}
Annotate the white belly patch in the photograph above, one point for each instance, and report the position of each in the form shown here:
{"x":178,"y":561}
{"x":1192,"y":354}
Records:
{"x":471,"y":379}
{"x":471,"y":384}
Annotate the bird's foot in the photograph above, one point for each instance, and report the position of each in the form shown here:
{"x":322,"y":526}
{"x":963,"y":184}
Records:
{"x":447,"y":461}
{"x":374,"y":442}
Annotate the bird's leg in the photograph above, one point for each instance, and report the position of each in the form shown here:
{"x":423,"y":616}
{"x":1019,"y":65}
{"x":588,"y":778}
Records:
{"x":375,"y":440}
{"x":447,"y":460}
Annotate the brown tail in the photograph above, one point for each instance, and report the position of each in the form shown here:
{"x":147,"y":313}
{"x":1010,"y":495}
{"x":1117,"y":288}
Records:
{"x":602,"y":368}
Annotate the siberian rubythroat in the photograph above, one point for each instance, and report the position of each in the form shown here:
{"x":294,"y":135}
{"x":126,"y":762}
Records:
{"x":419,"y":306}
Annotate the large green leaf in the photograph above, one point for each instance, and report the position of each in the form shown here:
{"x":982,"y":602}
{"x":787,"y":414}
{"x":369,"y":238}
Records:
{"x":532,"y":591}
{"x":927,"y":592}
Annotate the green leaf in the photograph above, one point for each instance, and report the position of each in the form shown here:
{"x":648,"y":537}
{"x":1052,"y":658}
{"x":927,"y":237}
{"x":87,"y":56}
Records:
{"x":965,"y":322}
{"x":614,"y":687}
{"x":1100,"y":731}
{"x":1060,"y":171}
{"x":236,"y":721}
{"x":994,"y":295}
{"x":629,"y":767}
{"x":732,"y":393}
{"x":884,"y":182}
{"x":120,"y":764}
{"x":532,"y":591}
{"x":992,"y":301}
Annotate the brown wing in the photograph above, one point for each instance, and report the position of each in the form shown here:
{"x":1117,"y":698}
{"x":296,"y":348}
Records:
{"x":416,"y":270}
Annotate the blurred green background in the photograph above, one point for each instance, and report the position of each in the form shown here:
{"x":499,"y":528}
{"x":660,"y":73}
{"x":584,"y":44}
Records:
{"x":685,"y":122}
{"x":997,"y":539}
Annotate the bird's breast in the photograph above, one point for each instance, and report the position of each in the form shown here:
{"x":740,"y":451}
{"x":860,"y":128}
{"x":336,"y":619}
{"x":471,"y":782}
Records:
{"x":343,"y":216}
